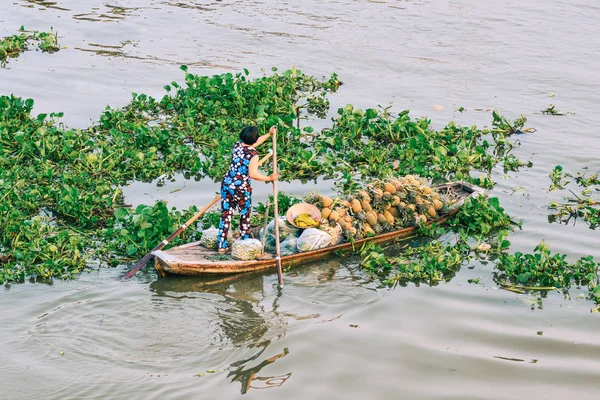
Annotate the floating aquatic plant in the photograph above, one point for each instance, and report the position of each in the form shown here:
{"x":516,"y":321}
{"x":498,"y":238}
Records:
{"x":540,"y":271}
{"x":584,"y":205}
{"x":12,"y":46}
{"x":74,"y":177}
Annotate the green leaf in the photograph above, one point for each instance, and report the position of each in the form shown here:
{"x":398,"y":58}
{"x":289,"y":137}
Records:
{"x":371,"y":113}
{"x":120,"y":213}
{"x":131,"y":250}
{"x":441,"y":151}
{"x":145,"y":225}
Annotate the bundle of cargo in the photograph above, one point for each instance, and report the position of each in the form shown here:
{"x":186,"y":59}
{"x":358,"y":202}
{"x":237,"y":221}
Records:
{"x":381,"y":206}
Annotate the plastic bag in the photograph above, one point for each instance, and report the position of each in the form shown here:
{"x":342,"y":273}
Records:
{"x":270,"y":243}
{"x":335,"y":232}
{"x":285,"y":229}
{"x":289,"y":244}
{"x":313,"y":239}
{"x":246,"y":249}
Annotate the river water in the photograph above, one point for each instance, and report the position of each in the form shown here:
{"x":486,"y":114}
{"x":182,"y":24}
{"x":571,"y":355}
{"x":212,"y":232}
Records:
{"x":331,"y":333}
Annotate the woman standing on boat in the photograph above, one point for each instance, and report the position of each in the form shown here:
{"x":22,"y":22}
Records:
{"x":236,"y":188}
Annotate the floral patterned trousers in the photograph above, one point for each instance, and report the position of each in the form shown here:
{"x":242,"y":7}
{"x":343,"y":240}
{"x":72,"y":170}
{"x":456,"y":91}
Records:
{"x":232,"y":198}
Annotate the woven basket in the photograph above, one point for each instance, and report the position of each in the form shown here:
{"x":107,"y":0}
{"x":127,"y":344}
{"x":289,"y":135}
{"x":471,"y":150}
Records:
{"x":302,"y":208}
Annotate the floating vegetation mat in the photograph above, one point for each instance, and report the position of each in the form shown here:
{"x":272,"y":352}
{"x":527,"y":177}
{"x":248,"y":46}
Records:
{"x":12,"y":46}
{"x":478,"y":233}
{"x":62,"y":209}
{"x":582,"y":201}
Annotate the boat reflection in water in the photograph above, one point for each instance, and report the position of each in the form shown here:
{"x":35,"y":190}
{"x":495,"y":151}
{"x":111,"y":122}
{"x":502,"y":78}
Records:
{"x":249,"y":315}
{"x":247,"y":376}
{"x":243,"y":320}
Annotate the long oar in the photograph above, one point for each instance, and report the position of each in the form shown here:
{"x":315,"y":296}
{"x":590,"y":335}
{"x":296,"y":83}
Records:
{"x":134,"y":270}
{"x":165,"y":242}
{"x":276,"y":212}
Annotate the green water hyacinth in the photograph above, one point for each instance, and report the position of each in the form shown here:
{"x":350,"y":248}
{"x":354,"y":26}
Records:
{"x":544,"y":269}
{"x":481,"y":228}
{"x":74,"y":176}
{"x":362,"y":145}
{"x":481,"y":216}
{"x":583,"y":206}
{"x":431,"y":263}
{"x":479,"y":231}
{"x":12,"y":46}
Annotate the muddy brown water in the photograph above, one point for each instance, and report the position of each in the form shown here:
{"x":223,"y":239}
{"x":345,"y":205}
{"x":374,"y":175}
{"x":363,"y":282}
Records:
{"x":331,"y":333}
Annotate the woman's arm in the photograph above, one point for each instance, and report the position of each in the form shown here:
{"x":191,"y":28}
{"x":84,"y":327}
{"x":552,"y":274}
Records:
{"x":264,"y":138}
{"x":255,"y":173}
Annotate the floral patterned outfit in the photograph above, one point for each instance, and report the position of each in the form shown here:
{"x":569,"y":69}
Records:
{"x":236,"y":192}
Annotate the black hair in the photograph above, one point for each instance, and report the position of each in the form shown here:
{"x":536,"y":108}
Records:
{"x":249,"y":135}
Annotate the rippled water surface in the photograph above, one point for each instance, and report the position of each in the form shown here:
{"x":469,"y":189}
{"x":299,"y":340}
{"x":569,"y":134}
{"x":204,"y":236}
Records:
{"x":331,"y":333}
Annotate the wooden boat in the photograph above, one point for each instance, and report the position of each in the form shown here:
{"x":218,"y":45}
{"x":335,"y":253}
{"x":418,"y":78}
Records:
{"x":193,"y":259}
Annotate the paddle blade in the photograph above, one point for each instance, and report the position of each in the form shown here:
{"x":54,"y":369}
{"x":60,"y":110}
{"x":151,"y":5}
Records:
{"x":162,"y":244}
{"x":134,"y":270}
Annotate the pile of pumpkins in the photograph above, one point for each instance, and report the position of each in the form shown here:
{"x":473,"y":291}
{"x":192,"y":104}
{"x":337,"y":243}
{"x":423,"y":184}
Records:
{"x":381,"y":206}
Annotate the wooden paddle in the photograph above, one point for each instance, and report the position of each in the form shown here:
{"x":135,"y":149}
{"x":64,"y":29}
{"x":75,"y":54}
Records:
{"x":276,"y":212}
{"x":134,"y":270}
{"x":165,"y":242}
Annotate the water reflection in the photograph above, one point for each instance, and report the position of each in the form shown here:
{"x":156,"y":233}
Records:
{"x":112,"y":13}
{"x":192,"y":5}
{"x":243,"y":321}
{"x":237,"y":307}
{"x":120,"y":52}
{"x":252,"y":314}
{"x":248,"y":376}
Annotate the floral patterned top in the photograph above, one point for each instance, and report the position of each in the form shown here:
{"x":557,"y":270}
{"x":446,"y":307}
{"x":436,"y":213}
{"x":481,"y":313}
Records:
{"x":238,"y":175}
